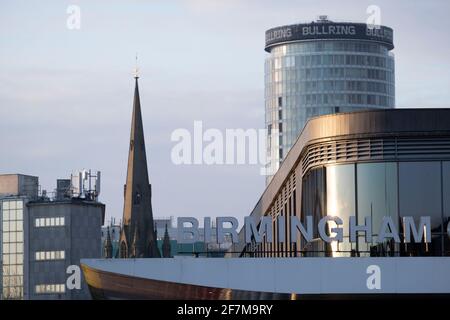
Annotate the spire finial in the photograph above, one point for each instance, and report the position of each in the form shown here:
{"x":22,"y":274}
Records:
{"x":136,"y":69}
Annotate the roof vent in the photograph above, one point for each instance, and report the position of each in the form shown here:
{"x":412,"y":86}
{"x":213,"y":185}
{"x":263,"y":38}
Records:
{"x":323,"y":18}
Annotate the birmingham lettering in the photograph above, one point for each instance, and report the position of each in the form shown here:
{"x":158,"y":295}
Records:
{"x":330,"y":229}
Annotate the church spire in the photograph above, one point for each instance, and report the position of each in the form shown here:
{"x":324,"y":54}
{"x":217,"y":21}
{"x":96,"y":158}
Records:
{"x":137,"y":209}
{"x":166,"y":244}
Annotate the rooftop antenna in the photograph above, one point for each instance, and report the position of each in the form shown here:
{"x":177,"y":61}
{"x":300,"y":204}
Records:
{"x":136,"y":69}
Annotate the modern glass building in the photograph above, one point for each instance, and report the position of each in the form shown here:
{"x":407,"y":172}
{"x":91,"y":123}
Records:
{"x":12,"y":248}
{"x":321,"y":68}
{"x":368,"y":164}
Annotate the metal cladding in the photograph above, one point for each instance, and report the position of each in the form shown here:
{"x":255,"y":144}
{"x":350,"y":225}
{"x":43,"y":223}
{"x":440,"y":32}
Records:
{"x":137,"y":239}
{"x":329,"y":30}
{"x":268,"y":278}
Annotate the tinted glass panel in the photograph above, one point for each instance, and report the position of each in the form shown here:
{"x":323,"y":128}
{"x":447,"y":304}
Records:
{"x":420,"y":195}
{"x":446,"y":202}
{"x":341,"y":202}
{"x":377,"y":197}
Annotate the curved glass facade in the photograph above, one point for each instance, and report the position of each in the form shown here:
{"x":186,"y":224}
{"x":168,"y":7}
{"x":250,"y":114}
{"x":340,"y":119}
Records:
{"x":307,"y":79}
{"x":375,"y":190}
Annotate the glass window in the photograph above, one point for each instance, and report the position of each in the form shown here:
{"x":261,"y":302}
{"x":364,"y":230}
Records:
{"x":341,"y":191}
{"x":313,"y":204}
{"x":420,"y":195}
{"x":377,"y":197}
{"x":341,"y":202}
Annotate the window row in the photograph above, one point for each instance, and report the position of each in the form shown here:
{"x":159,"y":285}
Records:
{"x":12,"y":271}
{"x":50,"y":222}
{"x":12,"y":292}
{"x":13,"y":281}
{"x":334,"y":85}
{"x":336,"y":99}
{"x":375,"y":190}
{"x":331,"y":45}
{"x":12,"y":215}
{"x":11,"y":236}
{"x":328,"y":60}
{"x":329,"y":74}
{"x":50,"y":288}
{"x":12,"y":225}
{"x":13,"y":258}
{"x":12,"y":204}
{"x":50,"y":255}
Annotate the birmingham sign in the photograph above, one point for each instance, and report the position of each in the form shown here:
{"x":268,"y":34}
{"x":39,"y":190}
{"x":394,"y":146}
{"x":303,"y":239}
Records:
{"x":330,"y":229}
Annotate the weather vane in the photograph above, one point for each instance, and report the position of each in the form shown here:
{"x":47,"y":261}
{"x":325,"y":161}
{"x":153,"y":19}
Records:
{"x":136,"y":69}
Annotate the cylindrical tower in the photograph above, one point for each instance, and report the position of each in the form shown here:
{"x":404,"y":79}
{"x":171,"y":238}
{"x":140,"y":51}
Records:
{"x":320,"y":68}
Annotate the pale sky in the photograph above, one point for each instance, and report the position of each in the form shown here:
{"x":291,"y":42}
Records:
{"x":66,"y":95}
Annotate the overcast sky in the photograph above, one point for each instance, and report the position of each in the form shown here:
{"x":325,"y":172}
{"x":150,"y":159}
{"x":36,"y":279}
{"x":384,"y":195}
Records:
{"x":66,"y":95}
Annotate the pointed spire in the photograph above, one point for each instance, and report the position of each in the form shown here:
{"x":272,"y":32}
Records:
{"x":137,"y":211}
{"x":166,"y":244}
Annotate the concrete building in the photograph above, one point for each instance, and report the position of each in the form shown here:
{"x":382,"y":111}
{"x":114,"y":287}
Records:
{"x":42,"y":236}
{"x":321,"y":68}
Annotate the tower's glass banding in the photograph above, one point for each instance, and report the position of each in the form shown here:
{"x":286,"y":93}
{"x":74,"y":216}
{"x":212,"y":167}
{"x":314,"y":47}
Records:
{"x":323,"y":68}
